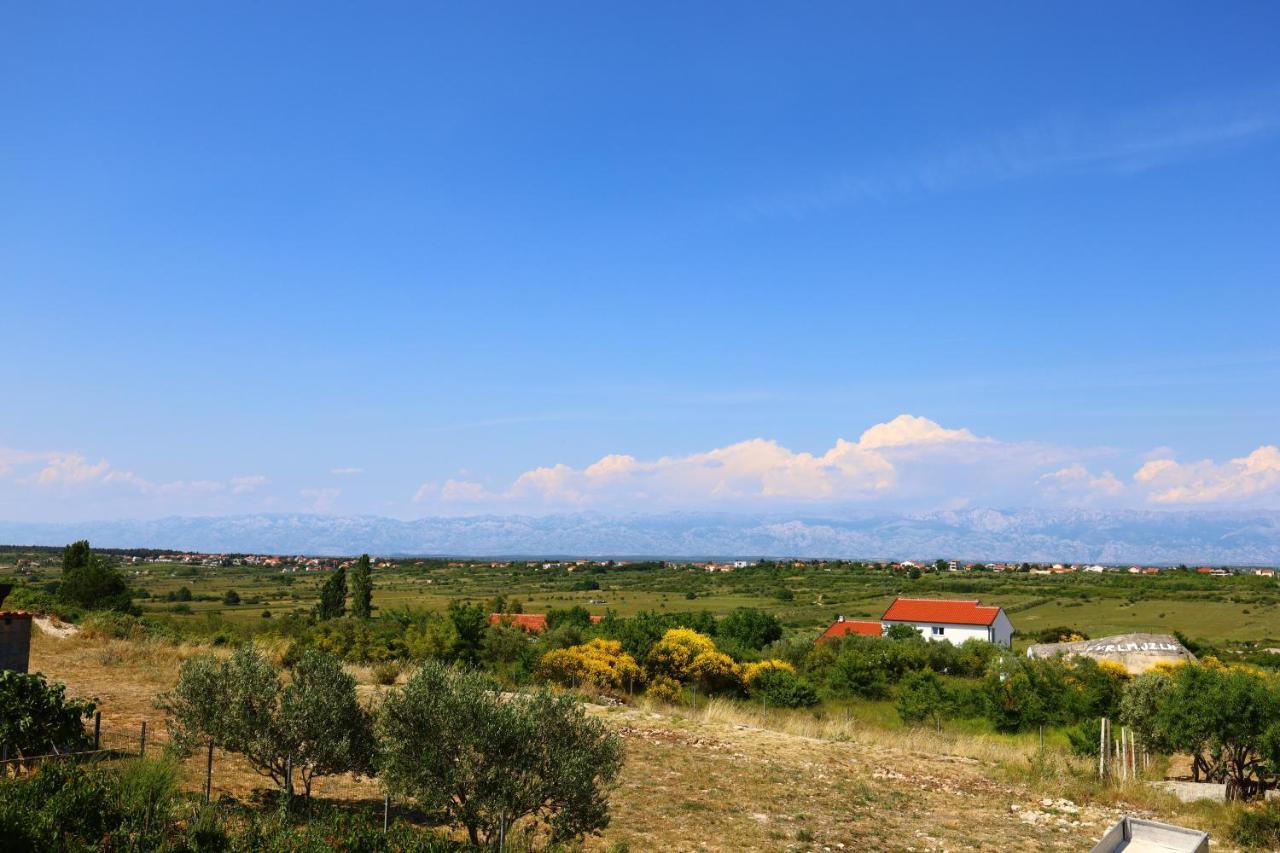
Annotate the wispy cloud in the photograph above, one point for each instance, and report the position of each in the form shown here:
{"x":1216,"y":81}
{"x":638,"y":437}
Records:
{"x":321,"y":499}
{"x":1144,"y":139}
{"x":346,"y":472}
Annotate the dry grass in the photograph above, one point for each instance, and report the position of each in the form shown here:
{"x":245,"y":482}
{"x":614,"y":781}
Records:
{"x":731,"y":776}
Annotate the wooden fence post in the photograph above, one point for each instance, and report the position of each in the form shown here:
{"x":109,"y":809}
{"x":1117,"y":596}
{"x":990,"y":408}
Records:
{"x":386,"y":811}
{"x":97,"y":730}
{"x":1102,"y":748}
{"x":142,"y":740}
{"x":208,"y":776}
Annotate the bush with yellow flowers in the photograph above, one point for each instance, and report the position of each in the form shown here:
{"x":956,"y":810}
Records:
{"x":752,"y":671}
{"x":674,"y":654}
{"x":601,"y":664}
{"x":664,"y":689}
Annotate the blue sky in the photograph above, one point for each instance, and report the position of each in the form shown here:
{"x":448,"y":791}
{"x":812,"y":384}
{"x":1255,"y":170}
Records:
{"x":242,"y":248}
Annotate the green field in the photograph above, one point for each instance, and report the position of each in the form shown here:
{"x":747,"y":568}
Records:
{"x":805,"y":597}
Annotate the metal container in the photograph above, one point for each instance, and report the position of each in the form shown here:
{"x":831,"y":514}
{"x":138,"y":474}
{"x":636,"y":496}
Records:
{"x":1136,"y":835}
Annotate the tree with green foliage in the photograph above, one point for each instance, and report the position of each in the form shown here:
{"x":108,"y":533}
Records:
{"x":1228,"y":718}
{"x":451,"y":742}
{"x":902,"y":632}
{"x":577,"y":616}
{"x":470,"y":623}
{"x":924,"y":698}
{"x":333,"y":596}
{"x":231,"y":598}
{"x":362,"y":588}
{"x":89,"y":582}
{"x":750,"y":628}
{"x":1022,"y":693}
{"x":36,"y":717}
{"x":314,"y":726}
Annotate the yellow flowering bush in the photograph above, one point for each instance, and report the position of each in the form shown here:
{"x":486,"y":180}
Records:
{"x":751,"y":671}
{"x":715,"y":672}
{"x":599,"y":663}
{"x":675,"y":653}
{"x":664,"y":689}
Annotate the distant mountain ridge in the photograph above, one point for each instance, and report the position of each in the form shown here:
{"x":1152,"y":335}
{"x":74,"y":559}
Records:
{"x":1130,"y":536}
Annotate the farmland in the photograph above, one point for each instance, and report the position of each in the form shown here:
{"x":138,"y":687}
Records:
{"x":804,"y":596}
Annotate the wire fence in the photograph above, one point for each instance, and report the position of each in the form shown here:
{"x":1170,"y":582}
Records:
{"x":105,"y":743}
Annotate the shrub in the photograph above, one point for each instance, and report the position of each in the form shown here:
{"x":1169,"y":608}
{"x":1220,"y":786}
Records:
{"x":599,"y":663}
{"x":456,"y":746}
{"x":715,"y":672}
{"x":674,"y":654}
{"x":750,"y":628}
{"x":664,"y":689}
{"x":751,"y":671}
{"x":36,"y":716}
{"x":1258,"y":827}
{"x":73,"y":807}
{"x":231,"y":598}
{"x":782,"y":688}
{"x":386,"y":673}
{"x":923,"y":698}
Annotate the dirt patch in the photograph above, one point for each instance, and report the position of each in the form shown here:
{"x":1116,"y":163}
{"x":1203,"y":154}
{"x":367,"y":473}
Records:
{"x":55,"y":628}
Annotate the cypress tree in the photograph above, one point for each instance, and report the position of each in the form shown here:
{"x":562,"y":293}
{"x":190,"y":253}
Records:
{"x":362,"y":589}
{"x":333,"y":596}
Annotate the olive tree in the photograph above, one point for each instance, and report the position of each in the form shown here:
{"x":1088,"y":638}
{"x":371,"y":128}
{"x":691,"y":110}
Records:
{"x":312,"y":726}
{"x":453,"y":743}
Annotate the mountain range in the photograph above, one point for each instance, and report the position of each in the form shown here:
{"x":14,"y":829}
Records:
{"x":1132,"y":536}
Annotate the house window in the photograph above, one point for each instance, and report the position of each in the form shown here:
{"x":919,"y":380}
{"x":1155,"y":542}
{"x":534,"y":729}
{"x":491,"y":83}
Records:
{"x":937,"y":631}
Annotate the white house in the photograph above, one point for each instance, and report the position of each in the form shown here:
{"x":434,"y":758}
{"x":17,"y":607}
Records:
{"x":954,"y":621}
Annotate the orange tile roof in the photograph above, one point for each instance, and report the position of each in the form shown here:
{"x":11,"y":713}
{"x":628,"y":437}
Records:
{"x":534,"y":623}
{"x":940,"y":612}
{"x":845,"y":627}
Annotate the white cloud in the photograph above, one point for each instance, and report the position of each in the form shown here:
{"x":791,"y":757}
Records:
{"x":1248,"y":477}
{"x":909,"y":430}
{"x":68,"y":469}
{"x":346,"y":472}
{"x":1076,"y":484}
{"x":321,"y":499}
{"x":246,"y":484}
{"x":758,"y":472}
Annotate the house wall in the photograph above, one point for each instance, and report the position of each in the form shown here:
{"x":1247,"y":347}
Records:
{"x":15,"y":641}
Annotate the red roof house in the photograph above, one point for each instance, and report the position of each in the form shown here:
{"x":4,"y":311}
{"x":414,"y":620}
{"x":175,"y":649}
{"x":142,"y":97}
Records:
{"x":844,"y":627}
{"x":957,"y":621}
